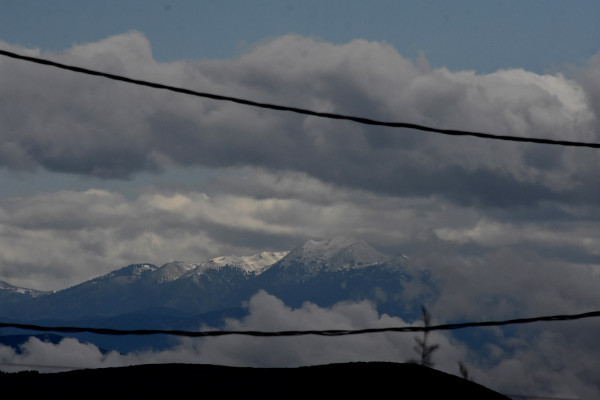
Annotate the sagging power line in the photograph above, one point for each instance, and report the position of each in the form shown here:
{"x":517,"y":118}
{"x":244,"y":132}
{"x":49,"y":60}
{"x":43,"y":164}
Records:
{"x":361,"y":120}
{"x":332,"y":332}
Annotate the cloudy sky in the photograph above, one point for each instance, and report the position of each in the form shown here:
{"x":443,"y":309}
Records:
{"x":97,"y":174}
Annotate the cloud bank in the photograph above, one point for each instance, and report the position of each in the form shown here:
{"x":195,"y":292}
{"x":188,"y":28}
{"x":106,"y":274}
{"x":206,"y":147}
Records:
{"x":63,"y":122}
{"x":53,"y":240}
{"x":544,"y":365}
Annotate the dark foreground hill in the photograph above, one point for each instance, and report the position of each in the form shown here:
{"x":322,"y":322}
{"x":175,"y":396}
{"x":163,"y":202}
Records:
{"x":333,"y":381}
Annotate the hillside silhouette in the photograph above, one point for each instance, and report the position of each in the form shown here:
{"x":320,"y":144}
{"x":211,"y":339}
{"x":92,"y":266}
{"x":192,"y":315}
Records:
{"x":352,"y":380}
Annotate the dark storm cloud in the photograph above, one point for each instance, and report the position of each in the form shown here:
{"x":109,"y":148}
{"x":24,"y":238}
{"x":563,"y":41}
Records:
{"x":68,"y":123}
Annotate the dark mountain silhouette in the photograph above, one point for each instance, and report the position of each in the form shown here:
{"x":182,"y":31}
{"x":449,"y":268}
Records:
{"x":332,"y":381}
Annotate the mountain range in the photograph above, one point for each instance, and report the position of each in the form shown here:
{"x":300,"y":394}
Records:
{"x":180,"y":295}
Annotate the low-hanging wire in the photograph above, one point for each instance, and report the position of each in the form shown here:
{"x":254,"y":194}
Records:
{"x":332,"y":332}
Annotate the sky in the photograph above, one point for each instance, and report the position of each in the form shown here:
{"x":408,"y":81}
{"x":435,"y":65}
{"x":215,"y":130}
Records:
{"x":96,"y":174}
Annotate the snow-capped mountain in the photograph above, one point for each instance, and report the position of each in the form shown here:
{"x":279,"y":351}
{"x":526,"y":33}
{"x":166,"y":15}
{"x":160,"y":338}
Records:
{"x":336,"y":254}
{"x":180,"y":295}
{"x":251,"y":265}
{"x":172,"y":271}
{"x":338,"y":269}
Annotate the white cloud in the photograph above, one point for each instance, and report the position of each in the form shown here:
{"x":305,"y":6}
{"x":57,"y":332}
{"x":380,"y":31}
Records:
{"x":55,"y":239}
{"x":553,"y":361}
{"x":267,"y":313}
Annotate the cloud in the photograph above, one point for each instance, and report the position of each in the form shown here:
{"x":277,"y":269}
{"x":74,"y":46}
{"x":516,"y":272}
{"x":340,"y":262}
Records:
{"x":508,"y":229}
{"x":48,"y":357}
{"x":266,"y":312}
{"x":587,"y":77}
{"x":51,"y":240}
{"x":505,"y":282}
{"x":64,"y":122}
{"x":554,"y":361}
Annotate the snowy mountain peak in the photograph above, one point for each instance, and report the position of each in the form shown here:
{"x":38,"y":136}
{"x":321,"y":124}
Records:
{"x":334,"y":254}
{"x":135,"y":271}
{"x":141,"y":268}
{"x":254,"y":264}
{"x":172,"y":271}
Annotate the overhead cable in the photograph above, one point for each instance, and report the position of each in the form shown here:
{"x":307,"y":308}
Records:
{"x":333,"y":332}
{"x":361,"y":120}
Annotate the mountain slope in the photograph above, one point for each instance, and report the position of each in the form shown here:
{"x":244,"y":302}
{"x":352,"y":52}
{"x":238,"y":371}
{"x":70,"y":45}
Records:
{"x":6,"y":288}
{"x":323,"y":272}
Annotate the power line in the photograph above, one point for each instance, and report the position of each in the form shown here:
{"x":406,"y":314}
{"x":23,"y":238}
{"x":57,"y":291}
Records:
{"x":361,"y":120}
{"x":333,"y":332}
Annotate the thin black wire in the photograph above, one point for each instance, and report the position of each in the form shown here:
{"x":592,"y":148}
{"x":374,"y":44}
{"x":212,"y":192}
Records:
{"x":333,"y":332}
{"x":361,"y":120}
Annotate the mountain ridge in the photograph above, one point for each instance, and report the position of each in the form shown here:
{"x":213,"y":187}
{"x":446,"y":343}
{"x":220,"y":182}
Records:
{"x":8,"y":288}
{"x":253,"y":264}
{"x":351,"y":380}
{"x":334,"y":254}
{"x":181,"y":295}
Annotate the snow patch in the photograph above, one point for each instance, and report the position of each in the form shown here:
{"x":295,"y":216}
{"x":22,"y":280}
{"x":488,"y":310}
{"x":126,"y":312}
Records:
{"x":334,"y":254}
{"x":254,"y":264}
{"x":172,"y":271}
